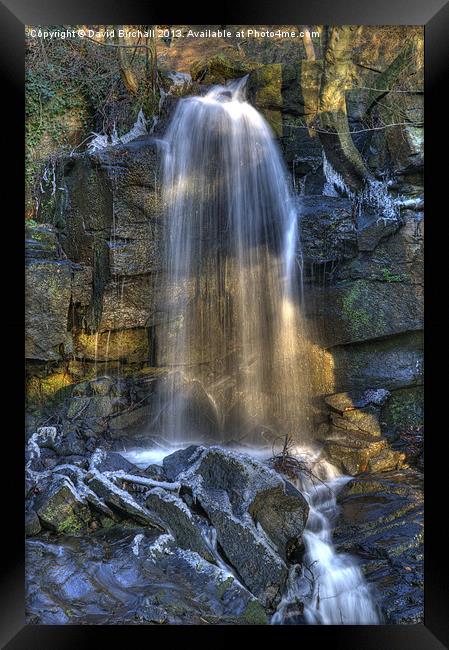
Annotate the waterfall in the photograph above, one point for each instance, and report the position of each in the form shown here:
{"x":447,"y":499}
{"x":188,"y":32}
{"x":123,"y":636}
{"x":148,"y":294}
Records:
{"x":331,"y":585}
{"x":233,"y":333}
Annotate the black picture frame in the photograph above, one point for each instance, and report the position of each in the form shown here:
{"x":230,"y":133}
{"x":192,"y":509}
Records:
{"x":434,"y":15}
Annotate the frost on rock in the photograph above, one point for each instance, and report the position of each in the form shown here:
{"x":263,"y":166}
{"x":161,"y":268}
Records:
{"x":97,"y":457}
{"x":142,"y":480}
{"x":100,"y":141}
{"x":120,"y":499}
{"x":375,"y":195}
{"x":334,"y":182}
{"x":170,"y":498}
{"x":164,"y":545}
{"x":136,"y":543}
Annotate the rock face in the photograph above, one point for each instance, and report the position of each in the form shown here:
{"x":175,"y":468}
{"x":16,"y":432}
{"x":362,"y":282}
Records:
{"x":48,"y":291}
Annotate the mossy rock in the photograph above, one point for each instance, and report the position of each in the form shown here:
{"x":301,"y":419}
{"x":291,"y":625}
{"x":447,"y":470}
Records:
{"x":254,"y":614}
{"x":265,"y":86}
{"x":219,"y":68}
{"x":404,"y":409}
{"x":128,"y":344}
{"x":61,"y":509}
{"x":55,"y":387}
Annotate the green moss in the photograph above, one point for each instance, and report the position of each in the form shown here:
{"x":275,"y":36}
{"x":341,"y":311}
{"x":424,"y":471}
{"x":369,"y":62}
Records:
{"x":266,"y":83}
{"x":52,"y":389}
{"x":404,"y":409}
{"x":223,"y":586}
{"x":388,"y":276}
{"x":274,"y":119}
{"x":254,"y":614}
{"x":356,"y":316}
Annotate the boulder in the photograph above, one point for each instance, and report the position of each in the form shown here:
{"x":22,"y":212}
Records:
{"x":180,"y":460}
{"x":61,"y":508}
{"x":364,"y":419}
{"x":230,"y":486}
{"x":120,"y":500}
{"x":155,"y":472}
{"x":111,"y":461}
{"x":178,"y":520}
{"x":283,"y":516}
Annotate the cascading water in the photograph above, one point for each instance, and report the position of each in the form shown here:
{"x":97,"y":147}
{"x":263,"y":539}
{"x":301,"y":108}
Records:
{"x":234,"y":331}
{"x":331,"y":585}
{"x":234,"y":336}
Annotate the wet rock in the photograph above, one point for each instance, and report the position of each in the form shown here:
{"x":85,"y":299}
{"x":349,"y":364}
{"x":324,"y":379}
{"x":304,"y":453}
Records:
{"x":328,"y":231}
{"x":178,"y":520}
{"x":228,"y":486}
{"x":381,"y":521}
{"x":61,"y":508}
{"x":32,"y":523}
{"x":41,"y":241}
{"x":392,"y":363}
{"x":116,"y":576}
{"x":342,"y":402}
{"x":354,"y":452}
{"x":180,"y":460}
{"x":358,"y":310}
{"x":364,"y":419}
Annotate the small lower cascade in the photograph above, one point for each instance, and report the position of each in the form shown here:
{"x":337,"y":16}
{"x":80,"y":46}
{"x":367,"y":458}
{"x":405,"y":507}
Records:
{"x":331,"y":585}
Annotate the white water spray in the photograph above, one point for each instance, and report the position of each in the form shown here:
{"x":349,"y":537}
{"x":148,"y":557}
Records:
{"x":331,"y":585}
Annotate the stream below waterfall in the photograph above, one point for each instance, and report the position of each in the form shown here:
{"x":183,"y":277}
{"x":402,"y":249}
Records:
{"x":330,"y":585}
